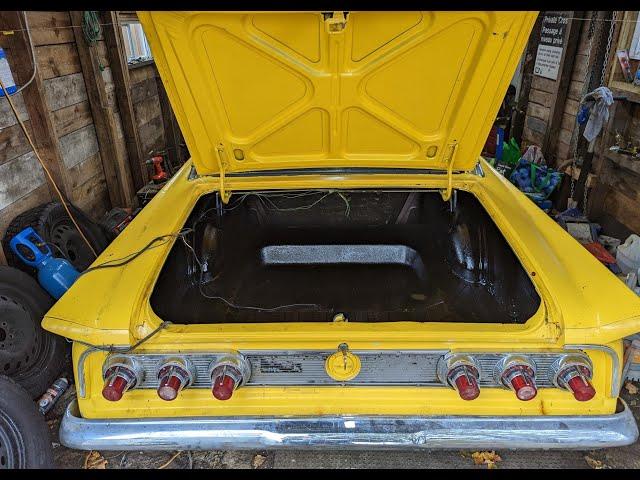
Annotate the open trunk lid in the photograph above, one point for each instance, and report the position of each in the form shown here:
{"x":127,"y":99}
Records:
{"x":266,"y":91}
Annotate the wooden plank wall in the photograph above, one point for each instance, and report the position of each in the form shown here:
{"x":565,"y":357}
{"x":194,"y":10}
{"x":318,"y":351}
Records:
{"x":541,"y":98}
{"x":146,"y":106}
{"x":615,"y":201}
{"x":23,"y":183}
{"x":22,"y":180}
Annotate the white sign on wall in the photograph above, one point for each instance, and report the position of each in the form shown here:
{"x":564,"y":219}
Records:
{"x":552,"y":34}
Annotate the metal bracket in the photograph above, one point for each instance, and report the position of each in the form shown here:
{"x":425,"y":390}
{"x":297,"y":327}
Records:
{"x":335,"y":22}
{"x":222,"y":164}
{"x":446,"y":194}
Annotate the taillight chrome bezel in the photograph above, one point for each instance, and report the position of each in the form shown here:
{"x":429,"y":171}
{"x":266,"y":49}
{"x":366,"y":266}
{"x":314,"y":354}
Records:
{"x":122,"y":366}
{"x":174,"y":368}
{"x":510,"y":367}
{"x":235,"y":366}
{"x":560,"y":372}
{"x":452,"y":366}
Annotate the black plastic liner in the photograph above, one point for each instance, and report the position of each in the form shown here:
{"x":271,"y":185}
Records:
{"x":372,"y":256}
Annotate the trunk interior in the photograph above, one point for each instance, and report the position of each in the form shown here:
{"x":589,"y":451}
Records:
{"x":373,"y":256}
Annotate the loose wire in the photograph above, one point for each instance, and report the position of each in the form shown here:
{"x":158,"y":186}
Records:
{"x":132,"y":256}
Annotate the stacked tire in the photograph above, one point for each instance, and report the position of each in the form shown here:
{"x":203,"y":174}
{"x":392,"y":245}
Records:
{"x":29,"y":354}
{"x":24,"y":436}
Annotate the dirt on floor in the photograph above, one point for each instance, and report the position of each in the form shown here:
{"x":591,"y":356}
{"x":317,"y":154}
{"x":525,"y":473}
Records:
{"x":625,"y":457}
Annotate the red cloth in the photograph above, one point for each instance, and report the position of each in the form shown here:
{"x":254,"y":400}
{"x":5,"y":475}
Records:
{"x":601,"y":253}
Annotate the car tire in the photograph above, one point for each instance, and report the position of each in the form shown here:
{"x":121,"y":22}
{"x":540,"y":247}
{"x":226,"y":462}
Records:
{"x":24,"y":435}
{"x":52,"y":352}
{"x":53,"y":224}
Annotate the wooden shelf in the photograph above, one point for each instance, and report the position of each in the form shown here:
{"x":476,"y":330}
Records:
{"x":629,"y":90}
{"x":625,"y":161}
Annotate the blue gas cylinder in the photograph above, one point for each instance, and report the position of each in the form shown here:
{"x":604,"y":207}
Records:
{"x":56,"y":275}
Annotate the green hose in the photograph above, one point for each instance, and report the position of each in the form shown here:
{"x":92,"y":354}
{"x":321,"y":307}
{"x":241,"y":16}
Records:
{"x":91,"y":28}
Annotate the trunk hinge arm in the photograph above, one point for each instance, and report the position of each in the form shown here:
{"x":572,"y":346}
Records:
{"x":446,"y":194}
{"x":222,"y":165}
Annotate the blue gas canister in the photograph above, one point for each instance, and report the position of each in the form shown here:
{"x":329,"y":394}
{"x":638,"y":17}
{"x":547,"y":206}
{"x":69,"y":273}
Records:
{"x":56,"y":275}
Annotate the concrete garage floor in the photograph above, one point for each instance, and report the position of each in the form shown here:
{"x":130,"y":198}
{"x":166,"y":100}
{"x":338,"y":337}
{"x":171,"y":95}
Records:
{"x":626,"y":457}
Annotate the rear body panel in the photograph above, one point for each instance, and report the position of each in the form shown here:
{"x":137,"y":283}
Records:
{"x":111,"y":307}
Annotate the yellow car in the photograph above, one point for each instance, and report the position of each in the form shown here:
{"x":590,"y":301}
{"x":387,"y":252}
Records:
{"x":336,"y":267}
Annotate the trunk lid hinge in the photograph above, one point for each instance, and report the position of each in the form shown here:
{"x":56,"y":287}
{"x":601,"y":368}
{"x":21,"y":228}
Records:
{"x":446,"y":194}
{"x":222,"y":165}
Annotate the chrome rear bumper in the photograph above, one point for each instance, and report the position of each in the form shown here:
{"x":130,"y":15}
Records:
{"x":344,"y":432}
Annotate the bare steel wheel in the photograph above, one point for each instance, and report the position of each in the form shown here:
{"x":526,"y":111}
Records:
{"x":19,"y":339}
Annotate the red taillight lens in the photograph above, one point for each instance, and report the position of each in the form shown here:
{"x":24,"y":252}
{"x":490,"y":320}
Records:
{"x":174,"y":375}
{"x":118,"y":379}
{"x":224,"y":382}
{"x":574,"y":373}
{"x":575,"y":378}
{"x":465,"y":381}
{"x":460,"y":372}
{"x":518,"y":374}
{"x":228,"y":374}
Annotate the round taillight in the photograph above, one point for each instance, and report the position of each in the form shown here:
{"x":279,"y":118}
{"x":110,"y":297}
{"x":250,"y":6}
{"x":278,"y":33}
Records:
{"x":574,"y":373}
{"x":120,"y":374}
{"x":460,"y":372}
{"x":518,"y":374}
{"x":227,"y":374}
{"x":174,"y":374}
{"x":224,"y":382}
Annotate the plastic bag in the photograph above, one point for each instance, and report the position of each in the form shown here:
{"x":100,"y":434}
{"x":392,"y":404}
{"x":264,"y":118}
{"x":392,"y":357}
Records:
{"x":534,"y":155}
{"x":535,"y":181}
{"x":511,"y":152}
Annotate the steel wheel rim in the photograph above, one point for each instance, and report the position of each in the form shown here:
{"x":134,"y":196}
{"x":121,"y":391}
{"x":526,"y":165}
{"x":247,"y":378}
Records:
{"x":12,"y":448}
{"x":13,"y":331}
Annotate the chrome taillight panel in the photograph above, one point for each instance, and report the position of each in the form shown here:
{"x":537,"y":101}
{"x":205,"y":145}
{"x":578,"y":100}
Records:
{"x":379,"y":368}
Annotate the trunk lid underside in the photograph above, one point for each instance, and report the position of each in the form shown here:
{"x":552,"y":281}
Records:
{"x":264,"y":91}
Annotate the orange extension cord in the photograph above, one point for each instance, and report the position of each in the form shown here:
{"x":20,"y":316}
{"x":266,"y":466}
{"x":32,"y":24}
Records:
{"x":55,"y":186}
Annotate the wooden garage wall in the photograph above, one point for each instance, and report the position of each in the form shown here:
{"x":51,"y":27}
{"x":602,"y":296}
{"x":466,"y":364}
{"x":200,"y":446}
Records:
{"x":542,"y":97}
{"x":76,"y":89}
{"x":146,"y":105}
{"x":22,"y":180}
{"x":614,"y":203}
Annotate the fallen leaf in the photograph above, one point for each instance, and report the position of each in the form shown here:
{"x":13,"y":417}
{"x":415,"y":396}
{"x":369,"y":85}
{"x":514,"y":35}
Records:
{"x":258,"y":461}
{"x":488,"y":458}
{"x":593,"y":463}
{"x":631,"y":388}
{"x":94,"y":460}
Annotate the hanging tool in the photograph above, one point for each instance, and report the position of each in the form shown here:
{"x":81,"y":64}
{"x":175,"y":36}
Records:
{"x":159,"y":174}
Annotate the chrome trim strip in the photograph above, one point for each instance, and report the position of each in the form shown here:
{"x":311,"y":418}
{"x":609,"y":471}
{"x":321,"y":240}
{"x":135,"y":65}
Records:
{"x":580,"y":432}
{"x":615,"y":364}
{"x":615,"y":384}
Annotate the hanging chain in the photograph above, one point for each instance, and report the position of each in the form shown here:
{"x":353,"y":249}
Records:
{"x":612,"y":27}
{"x":585,"y":88}
{"x":605,"y":62}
